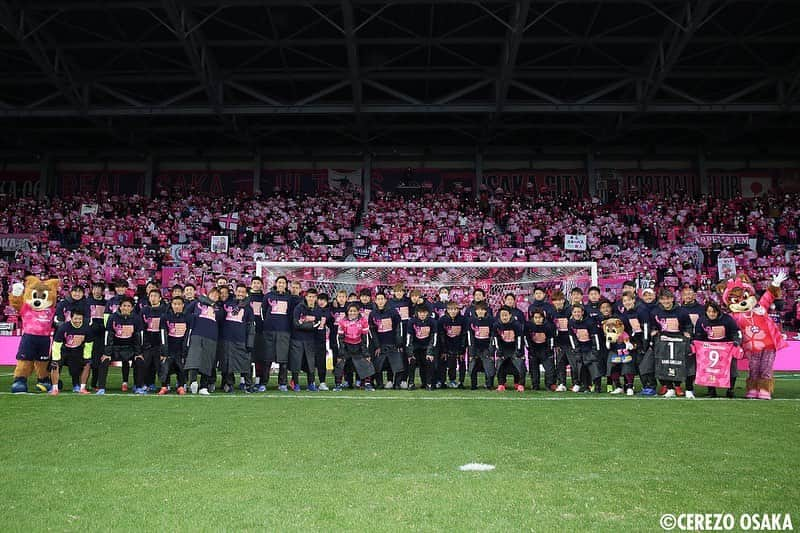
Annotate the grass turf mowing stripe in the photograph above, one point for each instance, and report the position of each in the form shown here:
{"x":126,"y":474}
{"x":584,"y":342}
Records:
{"x":389,"y":465}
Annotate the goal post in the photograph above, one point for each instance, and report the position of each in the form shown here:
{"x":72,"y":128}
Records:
{"x":461,"y":278}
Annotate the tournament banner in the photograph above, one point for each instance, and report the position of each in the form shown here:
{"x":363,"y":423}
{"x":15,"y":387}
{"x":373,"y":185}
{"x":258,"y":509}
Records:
{"x":20,"y":184}
{"x":724,"y":183}
{"x":575,"y":242}
{"x":726,"y":239}
{"x":421,"y":180}
{"x":659,"y":182}
{"x":94,"y":182}
{"x":344,"y":179}
{"x":294,"y":181}
{"x":210,"y":182}
{"x":12,"y":242}
{"x":533,"y":182}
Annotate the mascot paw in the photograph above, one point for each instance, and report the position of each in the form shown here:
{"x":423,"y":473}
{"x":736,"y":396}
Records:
{"x":779,"y":278}
{"x":17,"y":289}
{"x":19,"y":386}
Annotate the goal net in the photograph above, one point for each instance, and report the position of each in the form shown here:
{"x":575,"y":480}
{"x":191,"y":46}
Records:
{"x":461,"y":278}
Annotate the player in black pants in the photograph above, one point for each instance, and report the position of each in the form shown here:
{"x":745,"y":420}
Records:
{"x":123,"y":341}
{"x":97,"y":308}
{"x":421,"y":347}
{"x":72,"y":347}
{"x":479,"y":345}
{"x":507,"y":339}
{"x":144,"y":372}
{"x":541,"y":337}
{"x":453,"y":341}
{"x":174,"y":337}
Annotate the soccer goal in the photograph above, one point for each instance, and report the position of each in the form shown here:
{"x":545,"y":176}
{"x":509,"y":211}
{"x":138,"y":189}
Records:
{"x":461,"y":278}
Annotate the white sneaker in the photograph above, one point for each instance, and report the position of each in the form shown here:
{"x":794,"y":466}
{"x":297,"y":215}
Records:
{"x":561,"y":388}
{"x":323,"y":386}
{"x":204,"y":392}
{"x":576,"y":388}
{"x":618,"y":390}
{"x":797,"y":337}
{"x":629,"y":392}
{"x":193,"y":387}
{"x":404,"y":385}
{"x":389,"y":385}
{"x":690,"y":394}
{"x":670,"y":393}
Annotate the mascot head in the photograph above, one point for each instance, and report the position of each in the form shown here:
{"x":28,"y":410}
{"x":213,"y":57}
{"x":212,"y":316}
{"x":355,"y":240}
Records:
{"x":40,"y":295}
{"x":738,"y":294}
{"x":614,"y":331}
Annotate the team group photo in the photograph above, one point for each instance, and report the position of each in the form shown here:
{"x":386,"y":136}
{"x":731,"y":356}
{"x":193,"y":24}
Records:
{"x":404,"y":265}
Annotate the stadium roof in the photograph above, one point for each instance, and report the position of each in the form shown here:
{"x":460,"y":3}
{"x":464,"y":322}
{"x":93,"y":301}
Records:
{"x":349,"y":75}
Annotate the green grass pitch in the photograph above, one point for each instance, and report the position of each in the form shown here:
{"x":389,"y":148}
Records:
{"x":389,"y":460}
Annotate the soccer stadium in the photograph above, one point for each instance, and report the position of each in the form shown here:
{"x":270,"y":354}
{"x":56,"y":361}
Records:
{"x":429,"y":265}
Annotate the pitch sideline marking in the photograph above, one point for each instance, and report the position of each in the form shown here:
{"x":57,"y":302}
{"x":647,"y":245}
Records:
{"x":476,"y":467}
{"x":324,"y":397}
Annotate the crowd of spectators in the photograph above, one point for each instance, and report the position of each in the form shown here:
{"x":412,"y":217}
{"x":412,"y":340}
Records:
{"x":655,"y":239}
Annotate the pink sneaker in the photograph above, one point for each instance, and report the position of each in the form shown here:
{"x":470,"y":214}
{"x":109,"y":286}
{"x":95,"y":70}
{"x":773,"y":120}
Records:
{"x":764,"y":395}
{"x":162,"y":391}
{"x":501,"y":388}
{"x":751,"y":394}
{"x":520,"y":388}
{"x":54,"y":392}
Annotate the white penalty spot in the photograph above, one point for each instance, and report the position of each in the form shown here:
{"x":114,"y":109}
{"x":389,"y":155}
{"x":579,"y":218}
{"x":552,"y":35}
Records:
{"x":476,"y":467}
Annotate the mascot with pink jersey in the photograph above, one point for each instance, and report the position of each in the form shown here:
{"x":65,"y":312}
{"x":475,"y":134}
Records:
{"x":35,"y":300}
{"x":761,"y":338}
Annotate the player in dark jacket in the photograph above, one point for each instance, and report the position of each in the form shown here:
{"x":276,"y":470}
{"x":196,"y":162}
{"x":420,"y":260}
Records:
{"x":584,"y":338}
{"x":72,"y":347}
{"x":322,"y":337}
{"x":562,"y":314}
{"x":174,"y":346}
{"x":452,"y":346}
{"x":540,"y":335}
{"x":714,"y":325}
{"x":96,"y":319}
{"x":203,"y":335}
{"x":237,"y":333}
{"x":669,"y":321}
{"x":508,"y":340}
{"x":151,"y":339}
{"x":276,"y":313}
{"x":636,"y":319}
{"x":256,"y":298}
{"x":306,"y":323}
{"x":123,"y":341}
{"x":386,"y":331}
{"x":479,"y":346}
{"x":74,"y":301}
{"x":421,"y":344}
